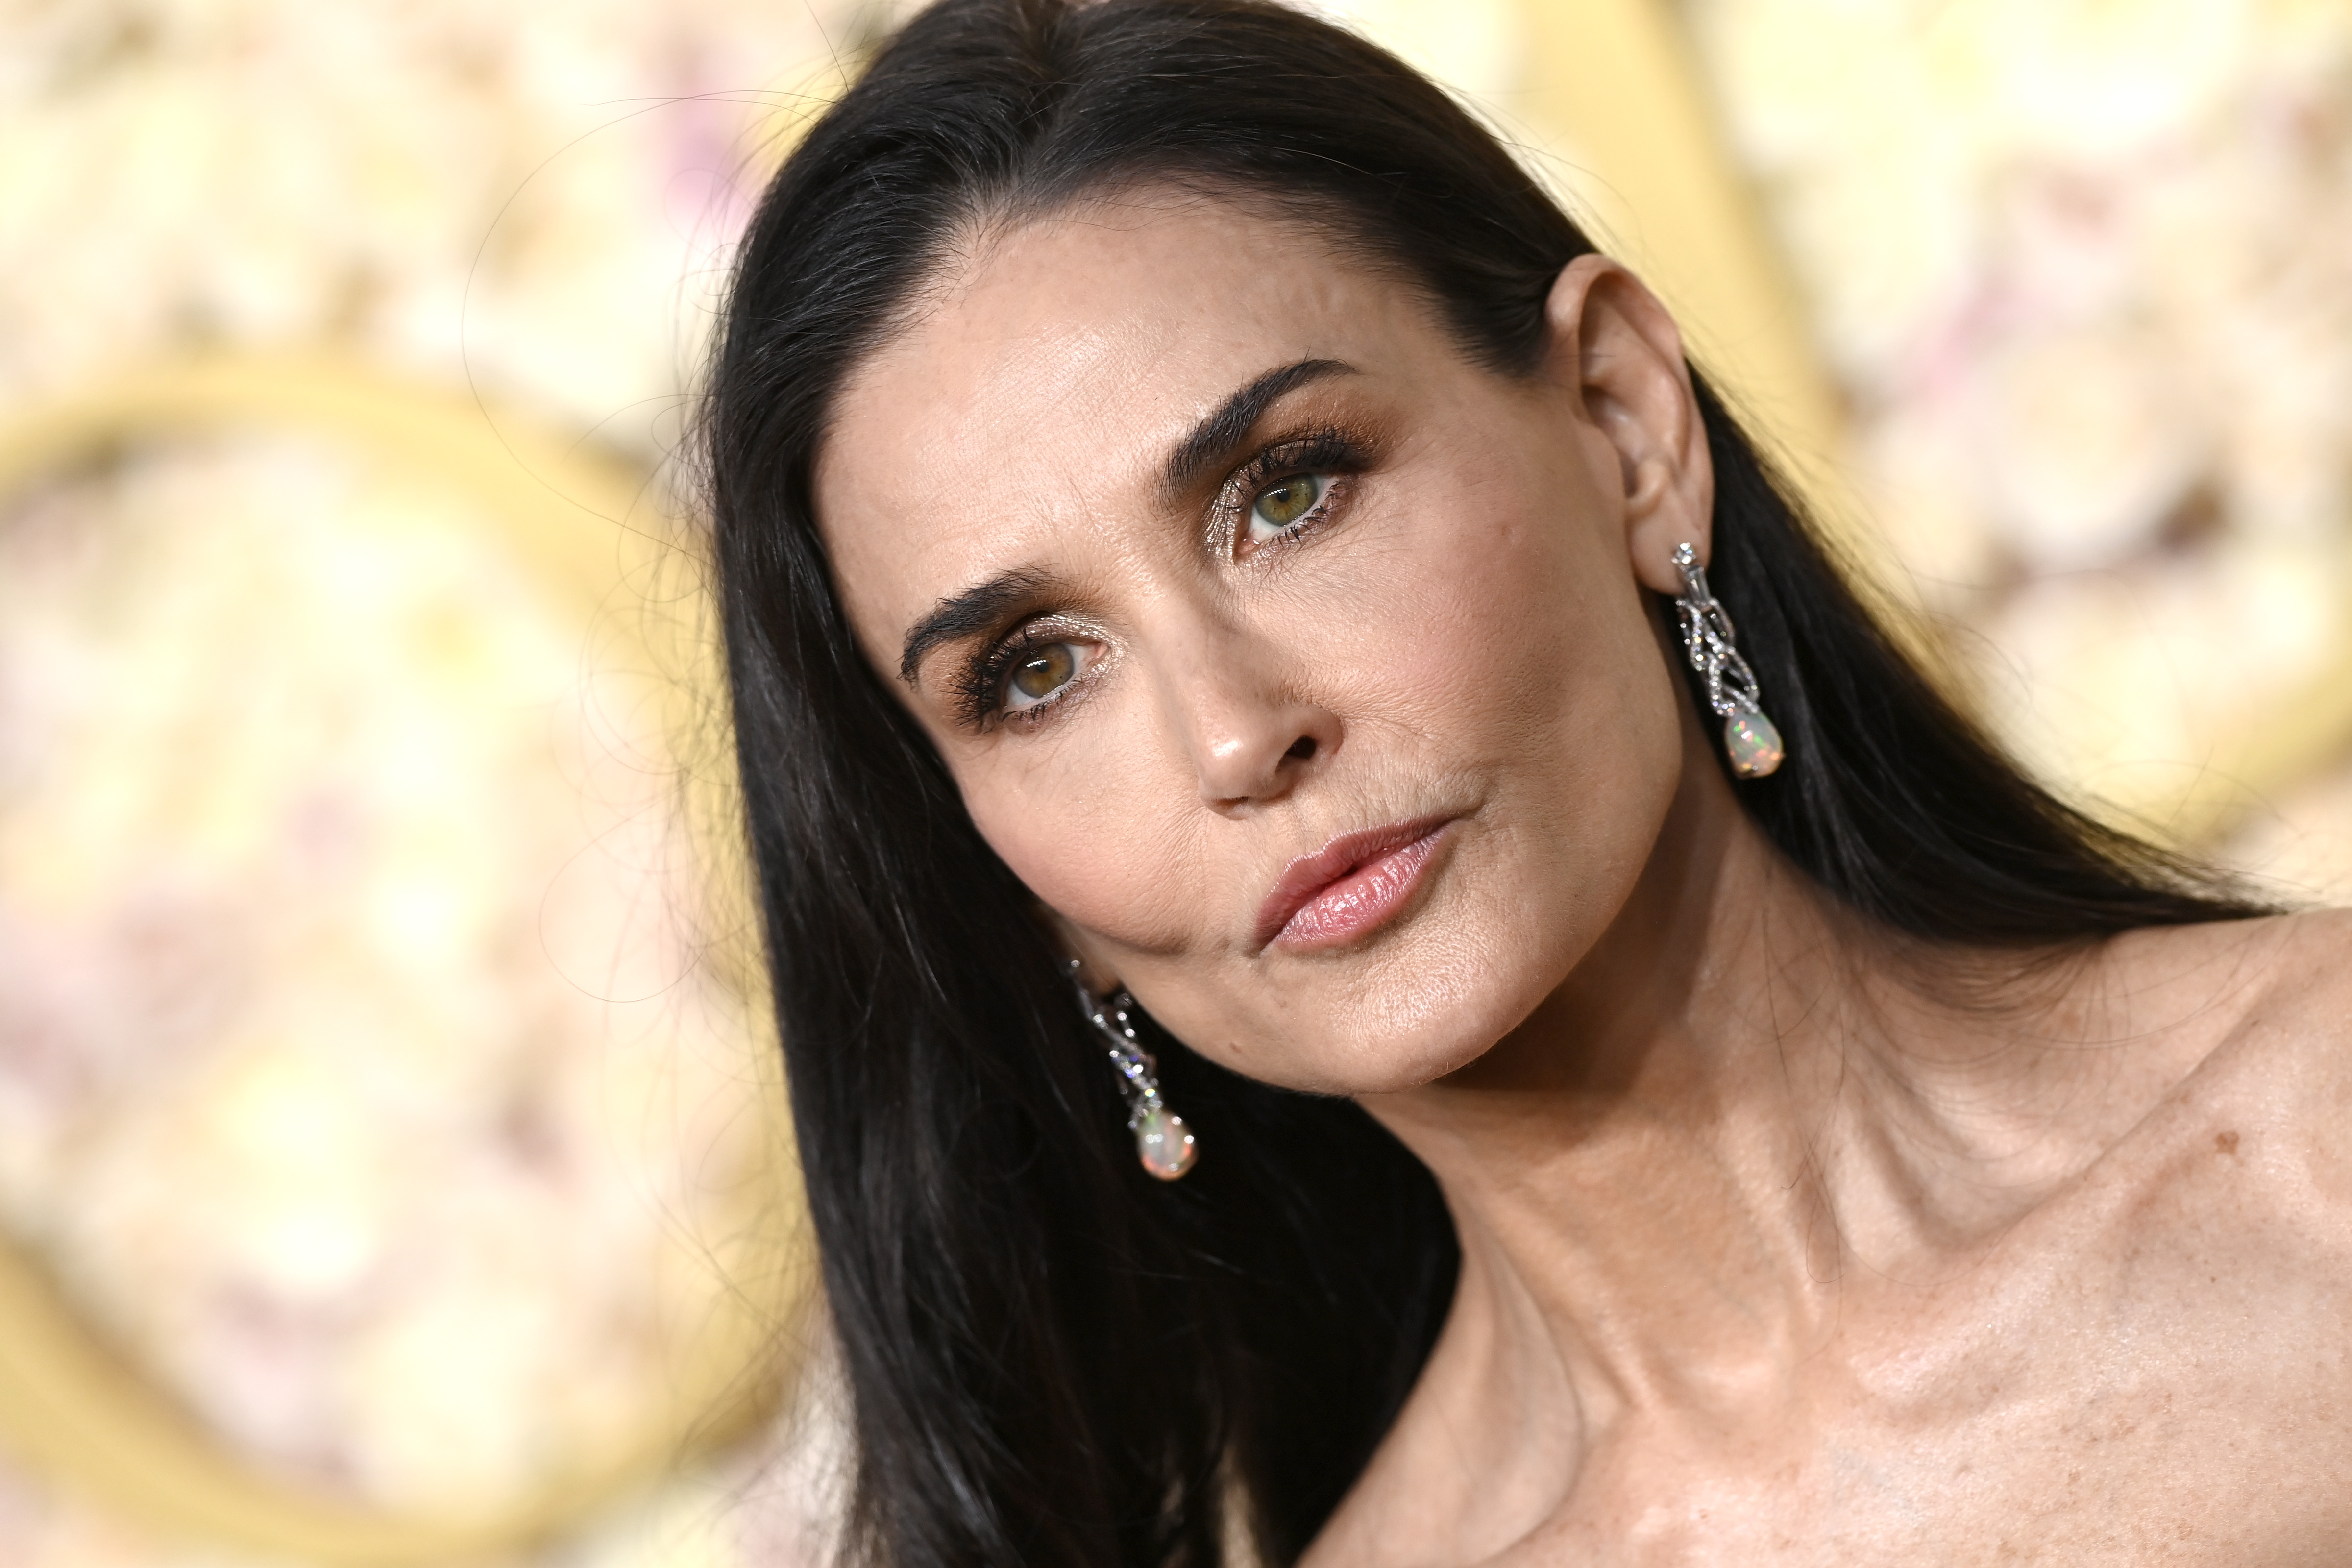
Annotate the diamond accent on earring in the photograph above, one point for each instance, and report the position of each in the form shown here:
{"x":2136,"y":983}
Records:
{"x":1163,"y":1144}
{"x":1750,"y":740}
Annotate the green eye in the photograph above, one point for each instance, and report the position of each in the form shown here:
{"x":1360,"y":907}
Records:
{"x":1281,"y":504}
{"x":1042,"y":672}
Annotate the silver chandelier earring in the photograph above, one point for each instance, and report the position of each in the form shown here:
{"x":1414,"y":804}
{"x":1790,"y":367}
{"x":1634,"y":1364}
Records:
{"x":1162,"y":1142}
{"x":1752,"y":741}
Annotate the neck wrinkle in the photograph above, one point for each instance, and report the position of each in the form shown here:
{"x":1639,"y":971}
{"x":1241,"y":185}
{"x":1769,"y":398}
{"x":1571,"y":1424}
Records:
{"x":1640,"y":1155}
{"x":1746,"y":1124}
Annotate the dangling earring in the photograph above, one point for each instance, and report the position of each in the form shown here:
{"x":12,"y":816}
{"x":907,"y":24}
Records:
{"x":1162,"y":1142}
{"x":1752,"y":741}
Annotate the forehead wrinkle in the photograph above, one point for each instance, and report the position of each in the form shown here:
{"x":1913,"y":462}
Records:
{"x":964,"y":464}
{"x":970,"y":243}
{"x":972,"y":246}
{"x":1003,"y":409}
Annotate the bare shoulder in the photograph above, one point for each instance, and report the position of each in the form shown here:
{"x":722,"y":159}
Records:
{"x":2276,"y":1081}
{"x":2293,"y":976}
{"x":2313,"y":958}
{"x":2279,"y":980}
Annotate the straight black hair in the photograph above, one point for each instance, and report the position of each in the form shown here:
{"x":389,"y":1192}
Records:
{"x":1054,"y":1360}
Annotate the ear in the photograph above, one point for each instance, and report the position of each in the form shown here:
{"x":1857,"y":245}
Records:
{"x":1614,"y":342}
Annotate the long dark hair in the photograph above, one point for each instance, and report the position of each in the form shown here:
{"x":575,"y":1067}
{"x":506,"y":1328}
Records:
{"x":1054,"y":1360}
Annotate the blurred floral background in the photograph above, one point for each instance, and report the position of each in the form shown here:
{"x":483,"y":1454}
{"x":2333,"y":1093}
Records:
{"x":390,"y":1169}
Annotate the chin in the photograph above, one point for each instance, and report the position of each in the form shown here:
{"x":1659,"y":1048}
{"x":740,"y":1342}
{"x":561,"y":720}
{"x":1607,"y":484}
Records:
{"x":1412,"y":1052}
{"x":1426,"y":1009}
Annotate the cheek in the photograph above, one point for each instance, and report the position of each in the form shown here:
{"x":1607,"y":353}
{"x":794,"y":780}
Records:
{"x":1515,"y":662}
{"x":1095,"y":833}
{"x":1499,"y":618}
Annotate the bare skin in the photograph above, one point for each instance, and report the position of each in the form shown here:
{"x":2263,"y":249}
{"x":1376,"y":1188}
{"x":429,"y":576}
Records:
{"x":1783,"y":1241}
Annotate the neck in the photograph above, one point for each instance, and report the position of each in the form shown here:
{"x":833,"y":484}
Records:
{"x":1631,"y":1168}
{"x":1662,"y":1177}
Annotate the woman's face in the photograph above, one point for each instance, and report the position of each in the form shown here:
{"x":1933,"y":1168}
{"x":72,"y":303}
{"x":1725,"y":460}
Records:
{"x":1298,"y":664}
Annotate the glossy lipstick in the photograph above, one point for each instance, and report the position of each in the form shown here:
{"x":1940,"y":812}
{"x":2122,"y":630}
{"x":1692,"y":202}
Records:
{"x":1352,"y":885}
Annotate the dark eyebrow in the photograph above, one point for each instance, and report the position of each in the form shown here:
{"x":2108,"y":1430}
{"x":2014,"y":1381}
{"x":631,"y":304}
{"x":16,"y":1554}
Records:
{"x":976,"y":609}
{"x":1215,"y":438}
{"x":981,"y":607}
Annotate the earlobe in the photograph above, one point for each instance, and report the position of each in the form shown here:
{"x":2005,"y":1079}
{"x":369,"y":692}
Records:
{"x":1619,"y":346}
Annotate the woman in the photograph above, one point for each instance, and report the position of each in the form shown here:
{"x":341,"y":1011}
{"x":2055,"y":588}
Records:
{"x":1196,"y":520}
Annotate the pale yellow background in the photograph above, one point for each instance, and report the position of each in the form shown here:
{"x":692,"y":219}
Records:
{"x":382,"y":1122}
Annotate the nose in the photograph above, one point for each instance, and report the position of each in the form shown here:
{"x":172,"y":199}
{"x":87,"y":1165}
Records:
{"x":1250,"y":735}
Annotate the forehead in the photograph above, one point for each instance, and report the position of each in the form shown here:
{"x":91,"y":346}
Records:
{"x":1054,"y":365}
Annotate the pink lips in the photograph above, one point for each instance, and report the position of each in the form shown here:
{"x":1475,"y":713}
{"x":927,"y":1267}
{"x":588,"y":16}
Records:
{"x":1352,"y":885}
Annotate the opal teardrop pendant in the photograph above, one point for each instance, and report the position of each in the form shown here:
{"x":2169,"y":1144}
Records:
{"x":1753,"y":742}
{"x":1163,"y":1143}
{"x":1750,"y":741}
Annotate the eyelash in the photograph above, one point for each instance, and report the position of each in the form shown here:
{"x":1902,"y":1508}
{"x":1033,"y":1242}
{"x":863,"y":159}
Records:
{"x":979,"y":696}
{"x":1332,"y":451}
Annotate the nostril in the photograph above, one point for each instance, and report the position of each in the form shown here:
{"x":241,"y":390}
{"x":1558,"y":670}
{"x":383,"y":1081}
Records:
{"x":1302,"y":748}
